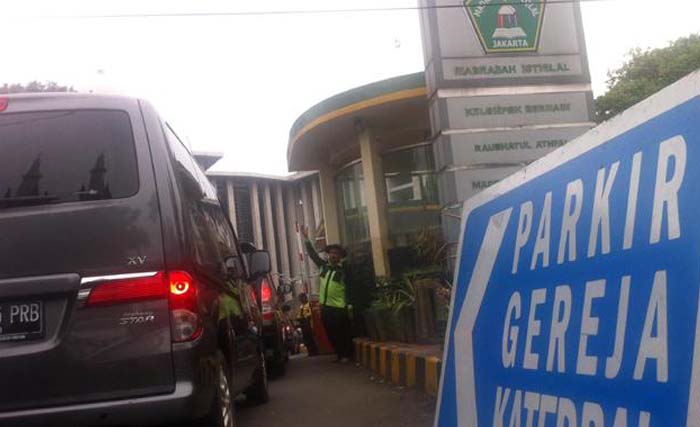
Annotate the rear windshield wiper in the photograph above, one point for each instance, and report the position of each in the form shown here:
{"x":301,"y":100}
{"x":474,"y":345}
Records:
{"x":13,"y":202}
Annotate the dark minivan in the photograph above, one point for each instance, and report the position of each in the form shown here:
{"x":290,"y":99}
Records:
{"x":124,"y":298}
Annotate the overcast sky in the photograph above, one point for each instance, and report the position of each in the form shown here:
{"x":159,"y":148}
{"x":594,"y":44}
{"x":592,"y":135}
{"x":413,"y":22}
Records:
{"x":235,"y":84}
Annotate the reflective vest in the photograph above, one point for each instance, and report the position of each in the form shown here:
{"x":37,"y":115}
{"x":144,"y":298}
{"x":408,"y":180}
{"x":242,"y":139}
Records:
{"x":230,"y":306}
{"x":332,"y":278}
{"x":332,"y":292}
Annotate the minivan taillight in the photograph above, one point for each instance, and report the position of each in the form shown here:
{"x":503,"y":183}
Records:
{"x":128,"y":290}
{"x":265,"y":299}
{"x":185,"y":322}
{"x":266,"y":292}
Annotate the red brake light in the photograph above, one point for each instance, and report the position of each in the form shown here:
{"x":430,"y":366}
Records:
{"x":268,"y":313}
{"x":266,"y":292}
{"x":185,"y":322}
{"x":4,"y":102}
{"x":183,"y":293}
{"x":179,"y":287}
{"x":128,"y":290}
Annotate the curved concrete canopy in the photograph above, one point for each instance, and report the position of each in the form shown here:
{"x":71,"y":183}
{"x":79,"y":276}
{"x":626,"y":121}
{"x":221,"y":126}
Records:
{"x":396,"y":109}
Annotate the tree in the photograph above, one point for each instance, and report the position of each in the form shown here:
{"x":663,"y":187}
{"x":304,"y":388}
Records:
{"x":646,"y":72}
{"x":35,"y":86}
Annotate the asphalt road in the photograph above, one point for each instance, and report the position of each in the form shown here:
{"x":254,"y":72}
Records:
{"x":316,"y":392}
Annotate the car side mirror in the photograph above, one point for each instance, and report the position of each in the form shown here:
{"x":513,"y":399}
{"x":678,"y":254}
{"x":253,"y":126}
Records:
{"x":234,"y":267}
{"x":260,"y":263}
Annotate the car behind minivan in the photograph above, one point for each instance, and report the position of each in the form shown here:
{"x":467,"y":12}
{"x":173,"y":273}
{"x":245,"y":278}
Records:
{"x":124,"y":298}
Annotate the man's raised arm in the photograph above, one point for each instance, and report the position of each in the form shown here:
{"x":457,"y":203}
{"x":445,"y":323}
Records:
{"x":310,"y":250}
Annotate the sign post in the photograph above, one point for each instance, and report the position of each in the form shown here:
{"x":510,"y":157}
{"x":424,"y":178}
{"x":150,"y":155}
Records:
{"x":577,"y":287}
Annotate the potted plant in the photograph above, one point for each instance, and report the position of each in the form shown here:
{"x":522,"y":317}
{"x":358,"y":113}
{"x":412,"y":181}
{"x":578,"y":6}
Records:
{"x":430,"y":286}
{"x":414,"y":306}
{"x":403,"y":299}
{"x":442,"y":308}
{"x":377,"y":316}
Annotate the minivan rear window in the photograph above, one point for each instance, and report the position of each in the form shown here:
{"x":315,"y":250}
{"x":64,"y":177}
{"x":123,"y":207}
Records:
{"x":66,"y":156}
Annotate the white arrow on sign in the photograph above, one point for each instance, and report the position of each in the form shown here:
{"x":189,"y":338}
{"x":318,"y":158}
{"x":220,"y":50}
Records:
{"x":464,"y":349}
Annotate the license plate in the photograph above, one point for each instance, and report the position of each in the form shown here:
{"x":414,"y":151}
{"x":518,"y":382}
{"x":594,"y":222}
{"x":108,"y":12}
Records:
{"x":21,"y":321}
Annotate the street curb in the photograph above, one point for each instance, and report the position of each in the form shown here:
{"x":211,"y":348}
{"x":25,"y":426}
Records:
{"x":401,"y":364}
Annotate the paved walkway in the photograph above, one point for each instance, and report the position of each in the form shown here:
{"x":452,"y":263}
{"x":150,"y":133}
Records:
{"x":316,"y":392}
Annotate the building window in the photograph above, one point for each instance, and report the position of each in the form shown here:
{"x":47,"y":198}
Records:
{"x":354,"y":225}
{"x":354,"y":229}
{"x":412,"y":194}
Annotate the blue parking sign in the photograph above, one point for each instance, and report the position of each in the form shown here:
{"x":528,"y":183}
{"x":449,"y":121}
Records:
{"x":578,"y":282}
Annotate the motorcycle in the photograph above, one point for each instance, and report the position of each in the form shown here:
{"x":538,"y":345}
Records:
{"x":293,"y":339}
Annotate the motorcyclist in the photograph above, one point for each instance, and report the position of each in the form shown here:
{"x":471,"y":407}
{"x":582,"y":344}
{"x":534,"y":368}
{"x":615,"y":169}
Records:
{"x":306,"y":323}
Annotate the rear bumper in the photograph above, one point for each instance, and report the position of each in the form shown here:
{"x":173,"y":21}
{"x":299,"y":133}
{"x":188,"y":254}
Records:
{"x":195,"y":374}
{"x":273,"y":342}
{"x":179,"y":405}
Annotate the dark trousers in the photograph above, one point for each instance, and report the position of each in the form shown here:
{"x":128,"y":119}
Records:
{"x":337,"y":325}
{"x":308,"y":335}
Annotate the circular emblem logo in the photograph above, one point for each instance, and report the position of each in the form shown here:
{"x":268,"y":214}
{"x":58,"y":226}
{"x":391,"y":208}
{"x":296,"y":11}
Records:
{"x":507,"y":26}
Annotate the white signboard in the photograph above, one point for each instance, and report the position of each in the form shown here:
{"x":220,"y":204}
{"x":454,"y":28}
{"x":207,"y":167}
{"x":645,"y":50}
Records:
{"x":479,"y":112}
{"x":516,"y":146}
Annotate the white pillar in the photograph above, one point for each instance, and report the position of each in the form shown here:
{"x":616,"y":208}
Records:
{"x":270,"y":231}
{"x":329,"y":205}
{"x":292,"y":203}
{"x":255,"y":213}
{"x":308,"y":206}
{"x":231,"y":196}
{"x":316,"y":199}
{"x":282,"y":232}
{"x":310,"y":223}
